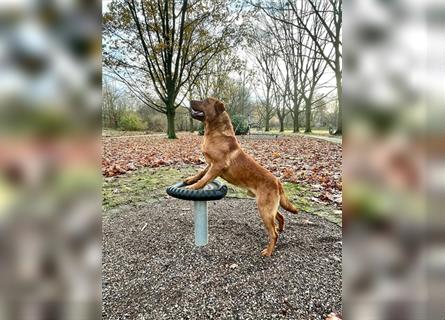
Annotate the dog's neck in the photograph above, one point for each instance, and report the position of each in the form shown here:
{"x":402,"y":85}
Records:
{"x":221,"y":125}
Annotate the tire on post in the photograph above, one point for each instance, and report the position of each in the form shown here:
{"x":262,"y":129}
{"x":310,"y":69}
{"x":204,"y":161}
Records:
{"x":214,"y":190}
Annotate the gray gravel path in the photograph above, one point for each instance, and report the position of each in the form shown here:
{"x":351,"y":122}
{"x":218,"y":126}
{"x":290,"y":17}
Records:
{"x":157,"y":273}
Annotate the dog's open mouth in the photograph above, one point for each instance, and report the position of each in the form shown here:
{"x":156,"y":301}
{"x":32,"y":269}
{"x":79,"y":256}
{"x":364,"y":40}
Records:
{"x":197,"y":114}
{"x":196,"y":110}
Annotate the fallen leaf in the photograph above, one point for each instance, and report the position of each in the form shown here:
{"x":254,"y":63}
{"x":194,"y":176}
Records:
{"x":276,"y":155}
{"x":296,"y":159}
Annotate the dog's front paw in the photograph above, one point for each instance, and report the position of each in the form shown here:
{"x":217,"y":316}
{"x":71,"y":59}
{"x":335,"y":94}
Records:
{"x":191,"y":187}
{"x":189,"y":180}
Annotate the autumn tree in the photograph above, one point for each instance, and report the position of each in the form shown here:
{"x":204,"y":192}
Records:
{"x":160,"y":48}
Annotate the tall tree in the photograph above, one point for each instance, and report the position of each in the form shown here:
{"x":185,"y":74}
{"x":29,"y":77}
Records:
{"x":264,"y":61}
{"x":329,"y":19}
{"x":289,"y":41}
{"x":159,"y":48}
{"x":329,"y":15}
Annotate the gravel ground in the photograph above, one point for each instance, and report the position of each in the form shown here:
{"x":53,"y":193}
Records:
{"x":156,"y":272}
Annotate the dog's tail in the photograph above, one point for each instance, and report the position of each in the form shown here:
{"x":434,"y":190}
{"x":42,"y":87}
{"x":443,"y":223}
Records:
{"x":284,"y":201}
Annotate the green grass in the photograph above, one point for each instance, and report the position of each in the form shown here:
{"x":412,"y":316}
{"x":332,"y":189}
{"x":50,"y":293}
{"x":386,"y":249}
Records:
{"x":301,"y":197}
{"x":320,"y":132}
{"x":140,"y":185}
{"x":146,"y":185}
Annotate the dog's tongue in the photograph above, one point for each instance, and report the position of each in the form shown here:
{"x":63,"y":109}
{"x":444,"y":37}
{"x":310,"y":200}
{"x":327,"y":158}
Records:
{"x":197,"y":113}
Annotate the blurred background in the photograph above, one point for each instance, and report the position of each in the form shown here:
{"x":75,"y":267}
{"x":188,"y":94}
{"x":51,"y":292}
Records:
{"x":393,"y":169}
{"x":50,"y":98}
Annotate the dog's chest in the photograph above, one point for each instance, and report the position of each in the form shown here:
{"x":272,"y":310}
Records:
{"x":205,"y":149}
{"x":212,"y":150}
{"x":204,"y":146}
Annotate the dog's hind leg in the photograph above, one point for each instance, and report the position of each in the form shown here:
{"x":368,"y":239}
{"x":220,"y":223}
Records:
{"x":268,"y":207}
{"x":280,"y":220}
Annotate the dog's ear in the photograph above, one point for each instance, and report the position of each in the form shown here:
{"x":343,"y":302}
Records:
{"x":219,"y":107}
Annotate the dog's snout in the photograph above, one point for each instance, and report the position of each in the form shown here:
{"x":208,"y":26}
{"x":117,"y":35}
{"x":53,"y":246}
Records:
{"x":194,"y":103}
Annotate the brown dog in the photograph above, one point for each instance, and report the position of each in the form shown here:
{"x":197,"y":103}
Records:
{"x":227,"y":160}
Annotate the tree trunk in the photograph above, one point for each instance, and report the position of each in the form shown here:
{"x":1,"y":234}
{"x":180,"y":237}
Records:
{"x":296,"y":109}
{"x":281,"y":125}
{"x":295,"y":119}
{"x":338,"y":70}
{"x":192,"y":128}
{"x":171,"y":123}
{"x":170,"y":107}
{"x":268,"y":107}
{"x":115,"y":122}
{"x":339,"y":130}
{"x":308,"y":112}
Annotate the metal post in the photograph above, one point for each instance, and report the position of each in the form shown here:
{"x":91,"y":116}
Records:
{"x":201,"y":226}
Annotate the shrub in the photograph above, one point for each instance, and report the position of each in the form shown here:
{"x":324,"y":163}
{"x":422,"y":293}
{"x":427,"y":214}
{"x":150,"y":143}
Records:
{"x":239,"y":123}
{"x":201,"y":129}
{"x":131,"y":121}
{"x":157,"y":123}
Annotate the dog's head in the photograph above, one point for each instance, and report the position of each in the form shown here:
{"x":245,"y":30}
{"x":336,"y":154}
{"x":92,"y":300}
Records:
{"x":206,"y":110}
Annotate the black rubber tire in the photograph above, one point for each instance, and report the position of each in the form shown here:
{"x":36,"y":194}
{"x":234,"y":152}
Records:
{"x":178,"y":191}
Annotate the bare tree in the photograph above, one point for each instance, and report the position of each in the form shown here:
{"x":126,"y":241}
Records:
{"x":213,"y":80}
{"x":312,"y":66}
{"x":328,"y":21}
{"x":280,"y":76}
{"x":240,"y":98}
{"x":265,"y":63}
{"x":113,"y":107}
{"x":289,"y":42}
{"x":329,"y":15}
{"x":159,"y":48}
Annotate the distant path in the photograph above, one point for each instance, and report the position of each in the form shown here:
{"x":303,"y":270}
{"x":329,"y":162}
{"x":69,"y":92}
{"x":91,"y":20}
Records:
{"x":334,"y":139}
{"x":135,"y":135}
{"x":329,"y":138}
{"x":326,"y":138}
